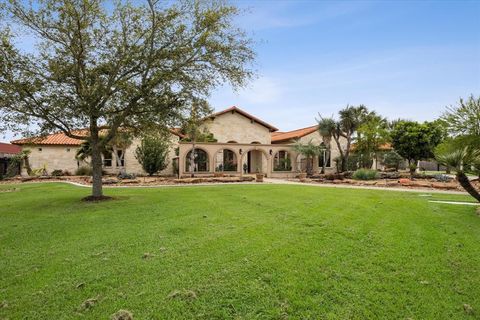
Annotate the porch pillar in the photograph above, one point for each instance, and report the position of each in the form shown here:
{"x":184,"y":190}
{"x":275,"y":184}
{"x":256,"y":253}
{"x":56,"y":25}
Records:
{"x":181,"y":160}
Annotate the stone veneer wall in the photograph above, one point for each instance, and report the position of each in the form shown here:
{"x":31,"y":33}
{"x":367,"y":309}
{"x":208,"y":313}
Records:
{"x":63,"y":158}
{"x":236,"y":127}
{"x":133,"y":166}
{"x":317,"y":139}
{"x":53,"y":156}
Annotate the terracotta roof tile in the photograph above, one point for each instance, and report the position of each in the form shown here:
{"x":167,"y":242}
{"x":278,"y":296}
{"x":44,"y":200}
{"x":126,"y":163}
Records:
{"x":61,"y":138}
{"x":294,"y":134}
{"x":9,"y":148}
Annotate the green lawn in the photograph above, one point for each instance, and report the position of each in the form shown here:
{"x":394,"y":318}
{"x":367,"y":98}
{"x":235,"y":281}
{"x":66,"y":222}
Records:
{"x":237,"y":251}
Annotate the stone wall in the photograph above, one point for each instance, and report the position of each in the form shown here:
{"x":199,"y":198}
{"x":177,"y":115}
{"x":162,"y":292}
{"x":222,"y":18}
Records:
{"x":133,"y":166}
{"x":63,"y":158}
{"x":53,"y":157}
{"x":316,"y":138}
{"x":236,"y":127}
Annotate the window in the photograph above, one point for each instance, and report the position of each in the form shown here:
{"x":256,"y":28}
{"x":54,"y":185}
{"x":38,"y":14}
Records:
{"x":232,"y":141}
{"x":200,"y":160}
{"x":255,"y":142}
{"x":121,"y":158}
{"x":39,"y":149}
{"x":107,"y":159}
{"x":282,"y":161}
{"x":225,"y":160}
{"x":324,"y":157}
{"x":68,"y":149}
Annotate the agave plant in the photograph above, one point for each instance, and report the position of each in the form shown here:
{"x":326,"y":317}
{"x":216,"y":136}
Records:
{"x":460,"y":159}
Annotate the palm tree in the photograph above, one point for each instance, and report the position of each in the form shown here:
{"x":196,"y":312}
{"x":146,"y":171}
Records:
{"x":121,"y":141}
{"x":351,"y":118}
{"x":327,"y":129}
{"x":459,"y":159}
{"x":309,"y":151}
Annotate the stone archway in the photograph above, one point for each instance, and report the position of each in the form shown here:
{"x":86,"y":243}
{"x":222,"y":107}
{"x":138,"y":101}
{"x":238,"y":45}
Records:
{"x":255,"y":160}
{"x":201,"y":161}
{"x":225,"y":160}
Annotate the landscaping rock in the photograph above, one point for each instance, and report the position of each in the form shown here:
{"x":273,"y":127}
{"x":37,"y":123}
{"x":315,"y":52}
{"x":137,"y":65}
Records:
{"x":444,"y":186}
{"x":405,"y":182}
{"x":423,"y":184}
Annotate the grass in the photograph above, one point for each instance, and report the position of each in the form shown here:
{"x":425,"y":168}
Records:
{"x":240,"y":252}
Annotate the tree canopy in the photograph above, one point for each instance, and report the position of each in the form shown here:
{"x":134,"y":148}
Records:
{"x":416,"y":141}
{"x":134,"y":66}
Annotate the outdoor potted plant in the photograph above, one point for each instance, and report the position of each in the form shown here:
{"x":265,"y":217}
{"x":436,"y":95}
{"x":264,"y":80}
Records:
{"x":259,"y":176}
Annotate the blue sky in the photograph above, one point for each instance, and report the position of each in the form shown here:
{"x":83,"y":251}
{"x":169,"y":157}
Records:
{"x":404,"y":59}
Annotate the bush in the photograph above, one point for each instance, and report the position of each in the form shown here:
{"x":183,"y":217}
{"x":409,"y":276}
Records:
{"x":83,"y":171}
{"x":365,"y":174}
{"x":57,"y":173}
{"x":152,"y":153}
{"x":392,"y":160}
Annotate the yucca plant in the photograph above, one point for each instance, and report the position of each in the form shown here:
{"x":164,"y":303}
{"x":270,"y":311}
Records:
{"x":460,"y":159}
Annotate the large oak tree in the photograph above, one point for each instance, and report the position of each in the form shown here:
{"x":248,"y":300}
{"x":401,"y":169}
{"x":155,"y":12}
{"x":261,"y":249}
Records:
{"x":126,"y":66}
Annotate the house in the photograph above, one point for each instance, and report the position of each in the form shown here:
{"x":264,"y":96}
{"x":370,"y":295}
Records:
{"x":7,"y":151}
{"x":245,"y":144}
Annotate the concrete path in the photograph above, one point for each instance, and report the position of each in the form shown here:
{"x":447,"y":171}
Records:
{"x":272,"y":181}
{"x":456,"y":202}
{"x":343,"y":186}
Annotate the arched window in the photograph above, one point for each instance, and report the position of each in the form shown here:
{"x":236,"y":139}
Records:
{"x":255,"y":142}
{"x":200,"y":160}
{"x":225,"y":160}
{"x":232,"y":141}
{"x":282,"y":161}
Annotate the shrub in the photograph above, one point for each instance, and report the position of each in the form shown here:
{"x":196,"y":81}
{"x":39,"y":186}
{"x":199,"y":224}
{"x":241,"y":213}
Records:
{"x":57,"y":173}
{"x":67,"y":173}
{"x":392,"y":160}
{"x":365,"y":174}
{"x":152,"y":153}
{"x":83,"y":171}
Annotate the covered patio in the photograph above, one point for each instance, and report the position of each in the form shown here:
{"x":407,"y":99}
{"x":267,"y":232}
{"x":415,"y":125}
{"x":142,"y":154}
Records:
{"x":273,"y":160}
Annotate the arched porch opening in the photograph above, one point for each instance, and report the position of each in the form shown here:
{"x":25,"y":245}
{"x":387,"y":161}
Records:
{"x":255,"y":161}
{"x":200,"y":161}
{"x":225,"y":161}
{"x":282,"y":161}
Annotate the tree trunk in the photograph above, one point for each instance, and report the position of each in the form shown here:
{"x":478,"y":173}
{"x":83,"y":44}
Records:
{"x":465,"y":183}
{"x":346,"y":156}
{"x":97,"y":191}
{"x":342,"y":158}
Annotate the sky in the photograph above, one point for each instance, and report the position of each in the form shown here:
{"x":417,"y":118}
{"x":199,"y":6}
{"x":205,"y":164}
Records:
{"x":403,"y":59}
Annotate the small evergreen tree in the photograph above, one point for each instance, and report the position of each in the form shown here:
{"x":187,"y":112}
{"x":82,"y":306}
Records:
{"x":152,"y":153}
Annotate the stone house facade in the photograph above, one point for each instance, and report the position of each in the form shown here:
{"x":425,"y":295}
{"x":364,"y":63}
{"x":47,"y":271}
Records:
{"x":245,"y":145}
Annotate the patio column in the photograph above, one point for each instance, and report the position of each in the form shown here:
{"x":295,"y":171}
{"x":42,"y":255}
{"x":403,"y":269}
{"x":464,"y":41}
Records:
{"x":181,"y":160}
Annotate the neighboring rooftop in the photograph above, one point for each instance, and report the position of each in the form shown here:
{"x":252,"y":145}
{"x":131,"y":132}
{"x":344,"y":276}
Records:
{"x":7,"y":148}
{"x":294,"y":134}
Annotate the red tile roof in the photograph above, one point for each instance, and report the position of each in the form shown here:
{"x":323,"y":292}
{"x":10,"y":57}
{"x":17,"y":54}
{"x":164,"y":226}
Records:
{"x":245,"y":114}
{"x":58,"y":138}
{"x":61,"y":138}
{"x":9,"y":148}
{"x":294,"y":134}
